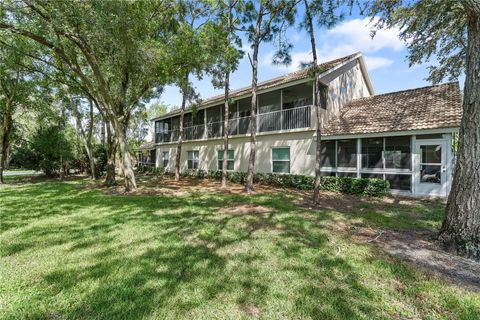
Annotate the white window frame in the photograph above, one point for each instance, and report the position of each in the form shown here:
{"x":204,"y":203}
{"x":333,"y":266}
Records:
{"x":220,"y":167}
{"x":194,"y":160}
{"x":167,"y":158}
{"x":289,"y":160}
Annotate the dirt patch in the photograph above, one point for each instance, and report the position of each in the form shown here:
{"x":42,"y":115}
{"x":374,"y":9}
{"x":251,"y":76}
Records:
{"x":166,"y":185}
{"x":245,"y":209}
{"x":251,"y":310}
{"x":329,"y":201}
{"x":420,"y":248}
{"x":347,"y":203}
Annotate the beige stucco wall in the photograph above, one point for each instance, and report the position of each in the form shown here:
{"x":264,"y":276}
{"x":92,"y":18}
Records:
{"x":302,"y":152}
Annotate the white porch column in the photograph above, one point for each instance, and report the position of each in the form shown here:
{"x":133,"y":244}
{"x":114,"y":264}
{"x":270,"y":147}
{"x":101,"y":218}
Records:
{"x":359,"y":157}
{"x":205,"y":130}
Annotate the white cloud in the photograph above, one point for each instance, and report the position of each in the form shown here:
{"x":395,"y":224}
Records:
{"x":356,"y":34}
{"x":347,"y":38}
{"x":377,"y":62}
{"x":297,"y":59}
{"x":296,"y":37}
{"x":247,"y":49}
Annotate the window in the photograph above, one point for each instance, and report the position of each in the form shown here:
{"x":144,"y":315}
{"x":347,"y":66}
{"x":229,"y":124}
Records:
{"x":297,"y":96}
{"x":323,"y":97}
{"x":327,"y":174}
{"x":162,"y":130}
{"x":158,"y":126}
{"x":193,"y":127}
{"x":372,"y":153}
{"x":165,"y":159}
{"x":281,"y":160}
{"x":347,"y":174}
{"x":347,"y":153}
{"x":153,"y":157}
{"x":327,"y":157}
{"x":268,"y":119}
{"x":174,"y":127}
{"x":397,"y":153}
{"x":233,"y":119}
{"x":372,"y":176}
{"x":431,"y":164}
{"x":399,"y":181}
{"x":230,"y":160}
{"x":244,"y":111}
{"x":429,"y":136}
{"x":192,"y":161}
{"x":268,"y":102}
{"x":187,"y":120}
{"x":214,"y":121}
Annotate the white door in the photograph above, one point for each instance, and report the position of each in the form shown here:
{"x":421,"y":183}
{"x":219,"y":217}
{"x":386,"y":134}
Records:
{"x":430,"y":168}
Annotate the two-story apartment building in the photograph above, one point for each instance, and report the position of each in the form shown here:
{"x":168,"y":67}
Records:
{"x":404,"y":137}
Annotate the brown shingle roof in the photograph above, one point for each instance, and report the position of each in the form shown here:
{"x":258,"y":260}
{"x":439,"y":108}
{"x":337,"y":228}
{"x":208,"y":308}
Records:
{"x":437,"y":106}
{"x":297,"y":75}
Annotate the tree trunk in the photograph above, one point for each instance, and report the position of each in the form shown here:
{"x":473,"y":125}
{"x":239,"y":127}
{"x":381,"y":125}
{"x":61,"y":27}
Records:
{"x":102,"y":132}
{"x":253,"y":114}
{"x":126,"y":160}
{"x":316,"y":104}
{"x":225,"y":134}
{"x":5,"y":133}
{"x":91,"y":159}
{"x":61,"y":168}
{"x":111,"y":146}
{"x":89,"y":145}
{"x":119,"y":159}
{"x":226,"y":111}
{"x":460,"y":230}
{"x":180,"y":133}
{"x":86,"y":137}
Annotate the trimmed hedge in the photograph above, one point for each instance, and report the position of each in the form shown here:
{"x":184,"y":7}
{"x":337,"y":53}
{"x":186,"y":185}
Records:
{"x":369,"y":187}
{"x":151,"y":170}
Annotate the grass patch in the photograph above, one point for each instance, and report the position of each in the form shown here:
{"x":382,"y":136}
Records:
{"x":72,"y":252}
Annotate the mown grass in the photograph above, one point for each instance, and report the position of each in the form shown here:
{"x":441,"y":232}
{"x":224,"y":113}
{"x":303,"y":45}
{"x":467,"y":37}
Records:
{"x":71,"y":252}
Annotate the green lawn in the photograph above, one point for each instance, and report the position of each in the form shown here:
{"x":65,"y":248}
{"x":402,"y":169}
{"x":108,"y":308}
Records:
{"x":68,"y":251}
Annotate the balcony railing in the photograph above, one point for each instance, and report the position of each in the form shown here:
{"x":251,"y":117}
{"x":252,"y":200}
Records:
{"x":289,"y":119}
{"x":145,"y":164}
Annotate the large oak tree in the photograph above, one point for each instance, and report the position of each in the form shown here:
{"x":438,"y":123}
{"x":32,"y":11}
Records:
{"x":19,"y":88}
{"x":449,"y":30}
{"x":116,"y":50}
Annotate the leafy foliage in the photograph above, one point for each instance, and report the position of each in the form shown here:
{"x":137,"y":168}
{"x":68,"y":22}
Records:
{"x":435,"y":31}
{"x":53,"y":148}
{"x":368,"y":187}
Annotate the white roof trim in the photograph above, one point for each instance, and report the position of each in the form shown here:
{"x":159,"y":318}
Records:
{"x":391,"y":133}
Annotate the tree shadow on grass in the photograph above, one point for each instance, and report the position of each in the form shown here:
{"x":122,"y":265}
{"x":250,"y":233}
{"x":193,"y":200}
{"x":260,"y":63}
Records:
{"x":172,"y":257}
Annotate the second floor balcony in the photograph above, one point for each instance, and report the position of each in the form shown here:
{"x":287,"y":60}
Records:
{"x":288,"y":119}
{"x":279,"y":110}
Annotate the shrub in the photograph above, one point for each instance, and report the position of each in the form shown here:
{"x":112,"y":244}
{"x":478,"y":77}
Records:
{"x":151,"y":170}
{"x":369,"y":187}
{"x":53,"y":147}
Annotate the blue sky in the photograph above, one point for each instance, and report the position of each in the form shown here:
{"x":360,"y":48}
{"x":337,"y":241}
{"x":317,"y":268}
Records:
{"x":385,"y":56}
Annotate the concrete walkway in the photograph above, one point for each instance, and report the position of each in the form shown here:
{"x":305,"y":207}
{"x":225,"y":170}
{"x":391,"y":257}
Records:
{"x":21,"y":173}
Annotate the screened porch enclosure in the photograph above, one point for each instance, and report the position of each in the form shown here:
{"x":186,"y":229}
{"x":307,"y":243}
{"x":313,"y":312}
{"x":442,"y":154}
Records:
{"x":283,"y":109}
{"x":147,"y":158}
{"x":388,"y":158}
